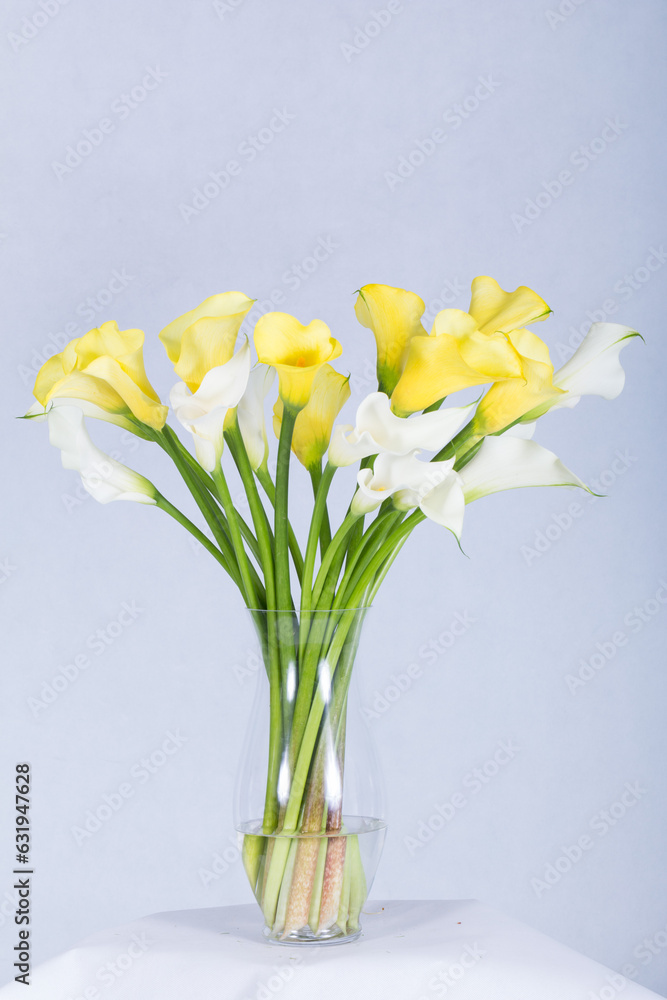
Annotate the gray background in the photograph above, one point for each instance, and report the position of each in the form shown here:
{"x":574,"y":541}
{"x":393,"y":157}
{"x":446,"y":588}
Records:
{"x":553,"y":80}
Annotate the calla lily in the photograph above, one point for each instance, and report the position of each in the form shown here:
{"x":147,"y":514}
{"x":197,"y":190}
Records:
{"x":509,"y":399}
{"x":312,"y":428}
{"x":379,"y":430}
{"x":204,"y":338}
{"x":394,"y":316}
{"x":297,"y":352}
{"x":466,"y":349}
{"x":502,"y":463}
{"x":203,"y":412}
{"x":593,"y":370}
{"x":102,"y":477}
{"x":250,"y":414}
{"x":432,"y":486}
{"x":105,"y":370}
{"x":509,"y":462}
{"x":495,"y":310}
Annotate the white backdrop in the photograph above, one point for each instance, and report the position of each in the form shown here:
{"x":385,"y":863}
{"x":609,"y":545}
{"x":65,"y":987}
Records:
{"x":329,"y":111}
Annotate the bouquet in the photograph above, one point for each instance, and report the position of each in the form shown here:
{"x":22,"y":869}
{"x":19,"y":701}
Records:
{"x":419,"y":457}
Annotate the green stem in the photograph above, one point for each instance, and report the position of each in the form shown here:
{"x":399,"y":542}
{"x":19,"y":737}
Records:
{"x":242,"y":560}
{"x":338,"y":540}
{"x":460,"y":444}
{"x":259,"y":518}
{"x":325,"y":526}
{"x":283,"y":589}
{"x":174,"y":512}
{"x":265,"y":540}
{"x":170,"y":443}
{"x":208,"y":484}
{"x":355,"y":566}
{"x":314,"y":534}
{"x":269,"y":488}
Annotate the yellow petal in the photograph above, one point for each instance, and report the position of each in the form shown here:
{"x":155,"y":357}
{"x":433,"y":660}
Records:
{"x":297,"y":353}
{"x":80,"y":385}
{"x":455,"y":356}
{"x":48,"y":375}
{"x":394,"y":316}
{"x":204,"y":338}
{"x":105,"y":367}
{"x":495,"y":310}
{"x":125,"y":347}
{"x":314,"y":423}
{"x":509,"y":399}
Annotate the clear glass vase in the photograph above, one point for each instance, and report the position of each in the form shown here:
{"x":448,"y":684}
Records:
{"x":309,"y":801}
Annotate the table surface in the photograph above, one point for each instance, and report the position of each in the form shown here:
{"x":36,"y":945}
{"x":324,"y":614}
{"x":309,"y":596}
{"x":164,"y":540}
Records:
{"x":408,"y":950}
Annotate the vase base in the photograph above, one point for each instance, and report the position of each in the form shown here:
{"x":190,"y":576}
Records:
{"x":302,"y":938}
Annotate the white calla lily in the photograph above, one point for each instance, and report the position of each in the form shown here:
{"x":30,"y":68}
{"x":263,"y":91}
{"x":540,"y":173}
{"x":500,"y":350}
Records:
{"x":509,"y":462}
{"x":250,"y":414}
{"x":378,"y":430}
{"x":102,"y":476}
{"x":203,"y":412}
{"x":593,"y":370}
{"x":432,"y":486}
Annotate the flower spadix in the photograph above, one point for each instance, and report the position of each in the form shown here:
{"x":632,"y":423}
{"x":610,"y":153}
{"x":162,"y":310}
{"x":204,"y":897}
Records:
{"x":203,"y":412}
{"x":105,"y":370}
{"x":297,"y":352}
{"x":102,"y":476}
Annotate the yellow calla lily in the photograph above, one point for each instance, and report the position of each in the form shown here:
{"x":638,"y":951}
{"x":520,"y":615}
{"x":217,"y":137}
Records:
{"x":314,"y":423}
{"x":455,"y":355}
{"x":466,"y":349}
{"x":509,"y":399}
{"x":204,"y":338}
{"x":495,"y":310}
{"x":297,"y":353}
{"x":105,"y":368}
{"x":394,"y":316}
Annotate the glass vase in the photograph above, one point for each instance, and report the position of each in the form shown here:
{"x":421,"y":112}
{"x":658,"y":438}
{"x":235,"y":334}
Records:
{"x":309,"y":802}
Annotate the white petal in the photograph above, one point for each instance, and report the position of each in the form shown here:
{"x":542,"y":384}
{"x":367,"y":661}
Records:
{"x":103,"y":477}
{"x":346,"y":446}
{"x":378,"y":430}
{"x":445,"y":504}
{"x":507,"y":463}
{"x":365,"y":500}
{"x":594,"y":369}
{"x":399,"y":435}
{"x":225,"y":385}
{"x":250,"y":413}
{"x":203,"y":412}
{"x":208,"y":435}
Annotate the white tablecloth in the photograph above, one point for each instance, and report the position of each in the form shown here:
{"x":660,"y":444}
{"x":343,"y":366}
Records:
{"x":421,"y":950}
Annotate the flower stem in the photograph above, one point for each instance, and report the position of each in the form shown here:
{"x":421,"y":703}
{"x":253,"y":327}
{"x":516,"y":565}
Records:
{"x":314,"y":534}
{"x":242,"y":560}
{"x":174,"y":512}
{"x":269,"y":488}
{"x":281,"y":532}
